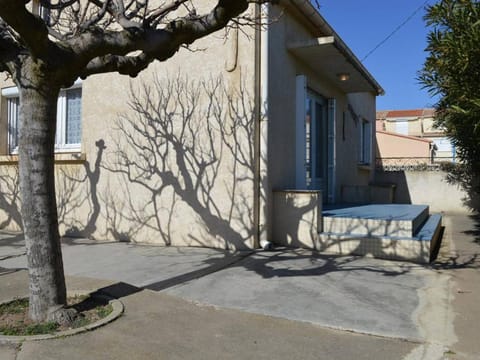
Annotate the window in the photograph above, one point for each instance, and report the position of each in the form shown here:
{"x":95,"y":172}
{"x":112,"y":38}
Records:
{"x":69,"y":124}
{"x":401,"y":127}
{"x":365,"y":142}
{"x":69,"y":114}
{"x":41,"y":11}
{"x":12,"y":109}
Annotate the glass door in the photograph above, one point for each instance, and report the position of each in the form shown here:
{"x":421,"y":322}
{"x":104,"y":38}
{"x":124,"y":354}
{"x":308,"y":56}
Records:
{"x":316,"y":143}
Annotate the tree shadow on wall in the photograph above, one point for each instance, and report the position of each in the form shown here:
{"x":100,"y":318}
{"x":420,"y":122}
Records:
{"x":463,"y":177}
{"x":10,"y":198}
{"x":77,"y":190}
{"x":188,"y":143}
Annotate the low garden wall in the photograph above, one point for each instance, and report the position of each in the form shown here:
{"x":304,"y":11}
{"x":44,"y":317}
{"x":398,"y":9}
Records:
{"x":431,"y":187}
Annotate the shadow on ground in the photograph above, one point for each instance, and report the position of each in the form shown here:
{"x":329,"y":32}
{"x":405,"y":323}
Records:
{"x":475,"y":232}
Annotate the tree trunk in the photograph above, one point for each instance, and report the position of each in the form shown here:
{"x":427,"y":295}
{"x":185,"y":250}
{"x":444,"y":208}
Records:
{"x":38,"y":112}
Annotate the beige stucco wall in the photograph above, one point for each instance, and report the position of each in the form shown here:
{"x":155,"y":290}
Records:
{"x":430,"y":188}
{"x":297,"y":218}
{"x":422,"y":127}
{"x":390,"y":125}
{"x":417,"y":126}
{"x":211,"y":204}
{"x":10,"y":217}
{"x":395,"y":146}
{"x":350,"y":172}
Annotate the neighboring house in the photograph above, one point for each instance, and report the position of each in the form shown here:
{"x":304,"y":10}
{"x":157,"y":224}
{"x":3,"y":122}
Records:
{"x":395,"y":149}
{"x":400,"y":134}
{"x":192,"y":151}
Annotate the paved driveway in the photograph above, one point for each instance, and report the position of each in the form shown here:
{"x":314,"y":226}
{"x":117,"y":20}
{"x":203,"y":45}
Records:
{"x":393,"y":299}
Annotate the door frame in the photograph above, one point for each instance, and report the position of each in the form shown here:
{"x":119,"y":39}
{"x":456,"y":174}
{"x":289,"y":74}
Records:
{"x":302,"y":94}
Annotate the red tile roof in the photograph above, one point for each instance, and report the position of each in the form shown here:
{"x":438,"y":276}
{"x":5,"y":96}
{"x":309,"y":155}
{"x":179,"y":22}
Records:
{"x":384,"y":114}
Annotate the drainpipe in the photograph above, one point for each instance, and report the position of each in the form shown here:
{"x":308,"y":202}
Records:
{"x":262,"y":195}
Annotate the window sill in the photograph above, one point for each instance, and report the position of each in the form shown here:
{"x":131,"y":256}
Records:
{"x":365,"y":167}
{"x":60,"y":158}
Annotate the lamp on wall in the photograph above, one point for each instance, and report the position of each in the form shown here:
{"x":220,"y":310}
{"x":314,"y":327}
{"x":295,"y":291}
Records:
{"x":343,"y":76}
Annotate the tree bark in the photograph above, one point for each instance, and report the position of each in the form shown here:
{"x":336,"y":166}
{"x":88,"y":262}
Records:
{"x":38,"y":112}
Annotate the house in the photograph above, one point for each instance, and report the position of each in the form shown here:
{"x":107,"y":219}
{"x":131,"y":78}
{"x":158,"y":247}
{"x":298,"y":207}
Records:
{"x":234,"y":146}
{"x":403,"y":150}
{"x":403,"y":137}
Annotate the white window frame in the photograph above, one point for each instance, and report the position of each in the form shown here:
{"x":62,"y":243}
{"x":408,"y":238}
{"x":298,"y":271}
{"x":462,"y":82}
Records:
{"x":41,"y":11}
{"x":60,"y":133}
{"x":402,"y":127}
{"x":365,"y":142}
{"x":12,"y":110}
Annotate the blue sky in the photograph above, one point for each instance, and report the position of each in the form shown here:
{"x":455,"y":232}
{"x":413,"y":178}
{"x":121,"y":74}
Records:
{"x":363,"y":24}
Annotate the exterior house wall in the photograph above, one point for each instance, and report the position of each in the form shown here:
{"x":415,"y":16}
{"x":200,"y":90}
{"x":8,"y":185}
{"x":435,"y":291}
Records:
{"x":393,"y":148}
{"x":356,"y":189}
{"x":182,"y":171}
{"x":364,"y":106}
{"x":212,"y":205}
{"x":282,"y":112}
{"x":418,"y":123}
{"x":210,"y":202}
{"x":415,"y":126}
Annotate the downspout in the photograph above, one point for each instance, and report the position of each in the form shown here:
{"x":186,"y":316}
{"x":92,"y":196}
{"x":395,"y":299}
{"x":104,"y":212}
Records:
{"x":262,"y":196}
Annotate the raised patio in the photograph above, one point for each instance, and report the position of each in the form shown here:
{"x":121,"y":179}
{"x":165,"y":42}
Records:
{"x":387,"y":231}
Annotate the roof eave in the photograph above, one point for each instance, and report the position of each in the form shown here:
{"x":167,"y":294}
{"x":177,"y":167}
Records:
{"x":309,"y":12}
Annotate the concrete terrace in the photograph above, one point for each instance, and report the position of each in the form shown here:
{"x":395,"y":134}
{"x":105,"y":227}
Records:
{"x":389,"y":231}
{"x":264,"y":303}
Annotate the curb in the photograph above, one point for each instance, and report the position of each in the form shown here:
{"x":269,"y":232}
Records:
{"x":117,"y":311}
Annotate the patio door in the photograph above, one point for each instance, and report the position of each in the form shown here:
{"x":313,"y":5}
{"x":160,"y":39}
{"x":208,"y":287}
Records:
{"x":315,"y":138}
{"x":316,"y":143}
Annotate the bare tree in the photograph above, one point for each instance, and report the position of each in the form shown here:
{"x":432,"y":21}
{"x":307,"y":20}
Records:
{"x":44,"y":51}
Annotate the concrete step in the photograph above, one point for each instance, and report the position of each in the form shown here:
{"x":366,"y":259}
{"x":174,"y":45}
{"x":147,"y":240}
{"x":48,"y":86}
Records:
{"x":416,"y":248}
{"x":397,"y":220}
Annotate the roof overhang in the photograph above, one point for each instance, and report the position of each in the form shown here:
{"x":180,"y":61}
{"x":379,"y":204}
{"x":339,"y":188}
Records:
{"x":327,"y":53}
{"x":330,"y":58}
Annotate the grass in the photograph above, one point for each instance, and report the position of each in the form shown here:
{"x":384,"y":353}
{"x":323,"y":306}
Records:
{"x":14,"y":319}
{"x":104,"y":311}
{"x":32,"y":329}
{"x":16,"y":306}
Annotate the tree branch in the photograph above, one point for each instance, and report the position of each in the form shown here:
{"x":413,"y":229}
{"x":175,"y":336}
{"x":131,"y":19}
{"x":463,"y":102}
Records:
{"x":61,"y":4}
{"x":31,"y":28}
{"x":100,"y":49}
{"x":9,"y":47}
{"x":127,"y":65}
{"x":158,"y":14}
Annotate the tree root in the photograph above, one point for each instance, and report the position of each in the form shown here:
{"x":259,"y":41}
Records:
{"x":63,"y":316}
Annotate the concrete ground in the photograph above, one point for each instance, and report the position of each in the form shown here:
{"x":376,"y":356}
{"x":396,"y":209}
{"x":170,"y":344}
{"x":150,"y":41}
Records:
{"x":285,"y":304}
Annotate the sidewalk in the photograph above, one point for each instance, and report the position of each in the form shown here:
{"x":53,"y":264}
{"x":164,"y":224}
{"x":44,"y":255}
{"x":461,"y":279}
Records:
{"x":462,"y":263}
{"x":205,"y":304}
